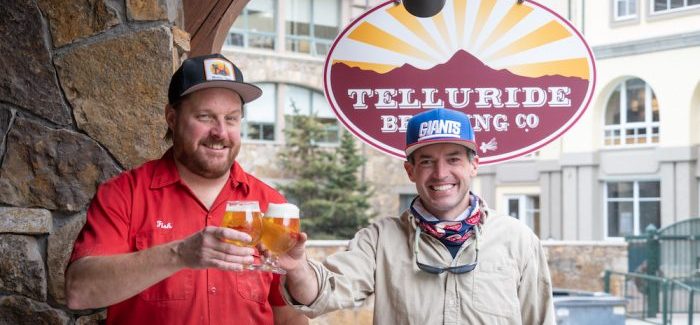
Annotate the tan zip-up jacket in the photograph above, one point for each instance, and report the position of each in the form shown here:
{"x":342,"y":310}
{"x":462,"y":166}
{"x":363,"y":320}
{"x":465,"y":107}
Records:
{"x":510,"y":285}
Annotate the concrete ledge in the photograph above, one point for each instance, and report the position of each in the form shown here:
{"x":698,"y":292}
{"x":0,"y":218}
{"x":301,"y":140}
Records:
{"x":674,"y":154}
{"x":544,"y":166}
{"x":550,"y":242}
{"x":579,"y":159}
{"x":649,"y":45}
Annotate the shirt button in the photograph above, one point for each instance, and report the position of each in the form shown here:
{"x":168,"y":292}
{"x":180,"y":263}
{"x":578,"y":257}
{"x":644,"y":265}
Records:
{"x":212,"y":290}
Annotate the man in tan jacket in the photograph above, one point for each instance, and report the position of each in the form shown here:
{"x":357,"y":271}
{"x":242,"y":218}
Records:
{"x":448,"y":259}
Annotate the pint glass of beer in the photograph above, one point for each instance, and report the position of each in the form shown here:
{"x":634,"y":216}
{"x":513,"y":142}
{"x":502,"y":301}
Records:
{"x":244,"y":216}
{"x":280,"y":233}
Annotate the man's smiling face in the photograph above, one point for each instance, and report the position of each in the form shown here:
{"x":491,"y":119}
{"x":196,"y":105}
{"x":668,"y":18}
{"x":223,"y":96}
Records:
{"x":207,"y":131}
{"x":443,"y":175}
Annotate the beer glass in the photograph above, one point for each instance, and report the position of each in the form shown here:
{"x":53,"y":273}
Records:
{"x":280,"y":233}
{"x":244,"y":216}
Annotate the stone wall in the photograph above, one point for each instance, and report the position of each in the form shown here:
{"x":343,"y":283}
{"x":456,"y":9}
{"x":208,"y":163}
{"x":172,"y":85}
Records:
{"x":580,"y":265}
{"x":573,"y":265}
{"x":82,"y":93}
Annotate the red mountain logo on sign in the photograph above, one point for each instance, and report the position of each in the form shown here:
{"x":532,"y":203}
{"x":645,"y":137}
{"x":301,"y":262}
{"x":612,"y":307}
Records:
{"x":522,"y":73}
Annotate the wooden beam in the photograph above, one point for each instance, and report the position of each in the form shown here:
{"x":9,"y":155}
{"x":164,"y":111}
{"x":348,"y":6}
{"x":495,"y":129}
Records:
{"x":208,"y":22}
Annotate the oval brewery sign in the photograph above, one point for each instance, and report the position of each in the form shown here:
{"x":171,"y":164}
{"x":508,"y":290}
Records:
{"x":522,"y":73}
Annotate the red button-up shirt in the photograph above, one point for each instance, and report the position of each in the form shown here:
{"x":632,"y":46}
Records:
{"x":150,"y":205}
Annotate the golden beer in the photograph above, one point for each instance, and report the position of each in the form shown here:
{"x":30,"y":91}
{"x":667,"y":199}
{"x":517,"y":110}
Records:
{"x":280,"y":234}
{"x":244,"y":216}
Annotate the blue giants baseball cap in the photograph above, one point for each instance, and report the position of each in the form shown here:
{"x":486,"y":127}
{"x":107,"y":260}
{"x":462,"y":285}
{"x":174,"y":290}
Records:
{"x":440,"y":125}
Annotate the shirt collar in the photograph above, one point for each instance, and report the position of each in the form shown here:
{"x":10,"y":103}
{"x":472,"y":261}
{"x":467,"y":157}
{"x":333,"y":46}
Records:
{"x":420,"y":209}
{"x":166,"y":174}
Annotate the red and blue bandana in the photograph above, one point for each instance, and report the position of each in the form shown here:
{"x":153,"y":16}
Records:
{"x":452,"y":233}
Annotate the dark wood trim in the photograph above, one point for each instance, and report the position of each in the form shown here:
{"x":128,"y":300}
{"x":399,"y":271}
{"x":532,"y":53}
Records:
{"x":208,"y":22}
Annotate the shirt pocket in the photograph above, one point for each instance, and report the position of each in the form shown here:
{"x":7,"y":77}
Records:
{"x":253,"y":285}
{"x":178,"y":286}
{"x":496,"y":289}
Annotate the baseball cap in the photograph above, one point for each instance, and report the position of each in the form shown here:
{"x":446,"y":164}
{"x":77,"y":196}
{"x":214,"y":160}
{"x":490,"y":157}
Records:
{"x":210,"y":71}
{"x":440,"y":125}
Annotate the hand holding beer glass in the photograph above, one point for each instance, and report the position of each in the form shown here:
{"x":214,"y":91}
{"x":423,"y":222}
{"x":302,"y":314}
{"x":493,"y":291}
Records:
{"x":244,"y":216}
{"x":280,"y":233}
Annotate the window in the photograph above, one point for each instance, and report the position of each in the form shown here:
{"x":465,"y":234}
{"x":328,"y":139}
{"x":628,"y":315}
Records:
{"x":358,"y":7}
{"x":255,"y":26}
{"x":526,"y":208}
{"x":309,"y":102}
{"x":673,"y":5}
{"x":311,"y":25}
{"x":625,"y":9}
{"x":632,"y":206}
{"x":632,"y":114}
{"x":259,"y":119}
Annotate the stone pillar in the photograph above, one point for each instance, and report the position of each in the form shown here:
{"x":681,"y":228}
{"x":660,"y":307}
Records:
{"x":82,"y":94}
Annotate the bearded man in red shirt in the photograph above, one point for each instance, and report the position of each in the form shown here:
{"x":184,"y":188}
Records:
{"x":152,"y":249}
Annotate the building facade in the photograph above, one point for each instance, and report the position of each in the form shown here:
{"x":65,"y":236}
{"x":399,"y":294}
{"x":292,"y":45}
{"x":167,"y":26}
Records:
{"x":631,"y":160}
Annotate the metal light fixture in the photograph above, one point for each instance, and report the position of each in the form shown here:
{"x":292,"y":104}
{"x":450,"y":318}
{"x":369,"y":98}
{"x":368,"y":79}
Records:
{"x":422,"y":8}
{"x":426,"y":8}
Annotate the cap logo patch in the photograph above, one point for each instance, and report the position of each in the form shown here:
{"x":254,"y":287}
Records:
{"x":439,"y":129}
{"x":218,"y":69}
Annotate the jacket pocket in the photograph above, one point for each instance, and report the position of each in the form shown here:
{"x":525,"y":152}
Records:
{"x":178,"y":286}
{"x":496,"y":289}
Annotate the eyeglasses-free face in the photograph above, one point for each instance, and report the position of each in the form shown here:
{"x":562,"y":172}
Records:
{"x":460,"y":269}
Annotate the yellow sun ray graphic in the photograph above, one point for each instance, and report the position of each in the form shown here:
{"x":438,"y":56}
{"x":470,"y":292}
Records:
{"x":516,"y":14}
{"x":373,"y":35}
{"x":550,"y":32}
{"x":411,"y":22}
{"x":577,"y":67}
{"x":439,"y":21}
{"x":425,"y":42}
{"x":460,"y":9}
{"x":484,"y":12}
{"x":377,"y":67}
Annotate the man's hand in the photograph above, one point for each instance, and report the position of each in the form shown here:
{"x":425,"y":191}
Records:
{"x":301,"y":278}
{"x":206,"y":249}
{"x":296,"y":256}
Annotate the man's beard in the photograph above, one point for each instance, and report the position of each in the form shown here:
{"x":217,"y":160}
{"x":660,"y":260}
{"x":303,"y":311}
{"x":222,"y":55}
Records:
{"x":198,"y":163}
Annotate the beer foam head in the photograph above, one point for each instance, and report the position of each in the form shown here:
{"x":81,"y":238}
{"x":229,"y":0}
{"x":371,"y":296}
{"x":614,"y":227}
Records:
{"x":242,"y":206}
{"x":440,"y":125}
{"x":282,"y":210}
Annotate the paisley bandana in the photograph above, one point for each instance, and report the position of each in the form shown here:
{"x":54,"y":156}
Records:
{"x":452,"y":233}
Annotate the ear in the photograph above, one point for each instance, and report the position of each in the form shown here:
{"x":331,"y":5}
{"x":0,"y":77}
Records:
{"x":409,"y":171}
{"x":170,"y":116}
{"x":475,"y":165}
